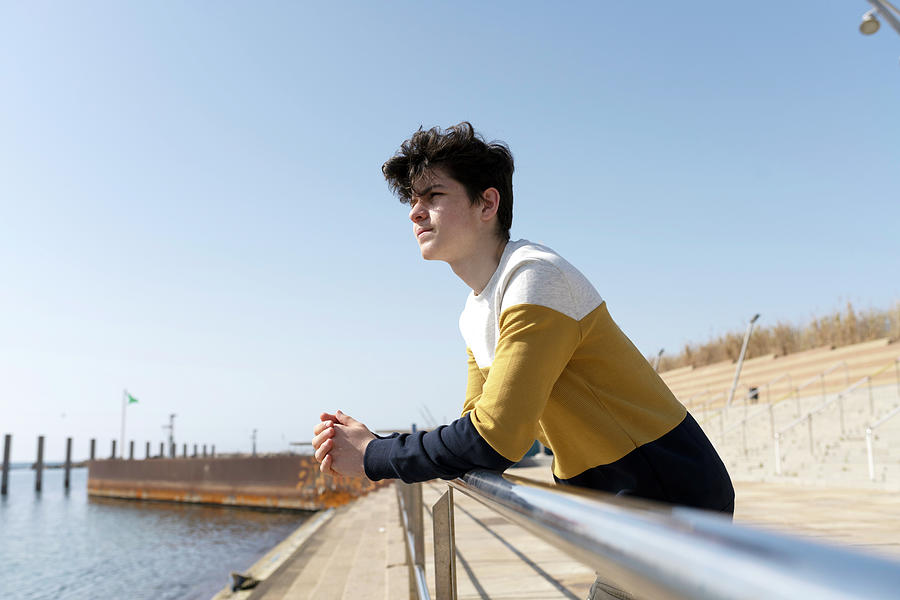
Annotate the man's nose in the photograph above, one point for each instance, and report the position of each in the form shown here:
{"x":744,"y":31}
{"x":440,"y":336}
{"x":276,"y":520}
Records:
{"x":416,"y":213}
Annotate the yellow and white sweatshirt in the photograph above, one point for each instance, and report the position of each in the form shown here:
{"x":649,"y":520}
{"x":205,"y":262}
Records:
{"x":547,"y":362}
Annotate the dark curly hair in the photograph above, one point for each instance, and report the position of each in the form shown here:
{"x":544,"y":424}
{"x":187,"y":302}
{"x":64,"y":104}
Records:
{"x":465,"y":157}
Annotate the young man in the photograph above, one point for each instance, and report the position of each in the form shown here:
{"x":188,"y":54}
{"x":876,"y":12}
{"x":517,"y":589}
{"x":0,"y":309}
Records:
{"x":545,"y":359}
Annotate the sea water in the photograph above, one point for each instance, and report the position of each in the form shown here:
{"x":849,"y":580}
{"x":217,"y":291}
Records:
{"x":66,"y":545}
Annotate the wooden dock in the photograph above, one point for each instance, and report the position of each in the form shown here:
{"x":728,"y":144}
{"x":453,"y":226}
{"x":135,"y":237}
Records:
{"x":357,"y":552}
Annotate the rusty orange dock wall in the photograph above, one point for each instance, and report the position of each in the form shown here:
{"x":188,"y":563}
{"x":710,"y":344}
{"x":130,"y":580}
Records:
{"x":284,"y":481}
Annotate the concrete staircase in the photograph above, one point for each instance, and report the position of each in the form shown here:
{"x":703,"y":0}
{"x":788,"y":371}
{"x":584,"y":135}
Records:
{"x":789,"y":388}
{"x":836,"y":456}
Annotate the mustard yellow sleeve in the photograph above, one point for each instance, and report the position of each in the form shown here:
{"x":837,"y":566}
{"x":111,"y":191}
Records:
{"x":474,"y":383}
{"x":535,"y":345}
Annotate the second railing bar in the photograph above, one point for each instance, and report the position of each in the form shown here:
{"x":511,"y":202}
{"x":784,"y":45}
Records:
{"x":663,"y":552}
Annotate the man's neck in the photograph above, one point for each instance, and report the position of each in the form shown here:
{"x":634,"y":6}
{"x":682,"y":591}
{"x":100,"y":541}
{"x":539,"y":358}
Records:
{"x":477,"y":269}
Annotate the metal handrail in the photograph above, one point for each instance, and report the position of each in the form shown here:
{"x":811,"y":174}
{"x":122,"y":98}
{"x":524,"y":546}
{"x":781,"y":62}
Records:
{"x":839,"y":398}
{"x":409,"y":501}
{"x":706,"y":418}
{"x":795,"y":392}
{"x":770,"y":407}
{"x":672,"y":553}
{"x":689,"y":399}
{"x":766,"y":407}
{"x":870,"y":430}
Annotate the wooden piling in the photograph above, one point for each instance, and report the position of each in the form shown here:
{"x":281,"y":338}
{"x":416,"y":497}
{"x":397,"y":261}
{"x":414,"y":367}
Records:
{"x":93,"y":447}
{"x":7,"y":444}
{"x":195,"y":450}
{"x":184,"y":451}
{"x":204,"y":450}
{"x":39,"y":465}
{"x":148,"y":451}
{"x":213,"y":453}
{"x":131,"y":450}
{"x":162,"y":449}
{"x":113,"y":454}
{"x":172,"y":450}
{"x":68,"y":462}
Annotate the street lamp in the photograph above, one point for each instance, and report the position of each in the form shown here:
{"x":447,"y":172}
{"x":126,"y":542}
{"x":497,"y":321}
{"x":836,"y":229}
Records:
{"x":737,"y":372}
{"x":883,"y":9}
{"x":869,"y":23}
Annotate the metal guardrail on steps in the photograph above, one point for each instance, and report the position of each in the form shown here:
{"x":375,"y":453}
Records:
{"x":870,"y":430}
{"x":770,"y":407}
{"x":753,"y":392}
{"x":651,"y":550}
{"x":839,"y":399}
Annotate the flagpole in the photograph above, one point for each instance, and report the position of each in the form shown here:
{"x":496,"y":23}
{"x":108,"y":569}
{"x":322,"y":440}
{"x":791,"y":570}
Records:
{"x":124,"y":402}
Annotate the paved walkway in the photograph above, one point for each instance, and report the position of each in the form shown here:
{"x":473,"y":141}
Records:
{"x":358,"y":552}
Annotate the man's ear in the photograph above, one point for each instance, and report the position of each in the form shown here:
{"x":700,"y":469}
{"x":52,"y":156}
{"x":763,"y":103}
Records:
{"x":490,"y":202}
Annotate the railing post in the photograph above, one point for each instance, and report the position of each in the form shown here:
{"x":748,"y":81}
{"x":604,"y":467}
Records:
{"x":418,"y":524}
{"x":444,"y":547}
{"x":871,"y":397}
{"x":840,"y":400}
{"x":797,"y":399}
{"x":809,"y":420}
{"x":897,"y":369}
{"x":772,"y":419}
{"x":871,"y":458}
{"x":406,"y":520}
{"x":778,"y":454}
{"x":744,"y":435}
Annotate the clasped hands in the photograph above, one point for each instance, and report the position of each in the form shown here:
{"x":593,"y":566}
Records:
{"x":340,"y":443}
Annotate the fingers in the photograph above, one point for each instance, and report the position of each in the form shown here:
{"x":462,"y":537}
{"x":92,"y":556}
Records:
{"x":322,"y":426}
{"x":327,"y":417}
{"x":325,"y":466}
{"x":344,"y":419}
{"x":322,"y":437}
{"x":324,"y":449}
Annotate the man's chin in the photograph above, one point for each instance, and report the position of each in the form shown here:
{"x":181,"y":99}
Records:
{"x":427,"y":253}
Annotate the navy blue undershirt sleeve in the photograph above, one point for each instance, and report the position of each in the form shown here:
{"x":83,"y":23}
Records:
{"x":446,"y":452}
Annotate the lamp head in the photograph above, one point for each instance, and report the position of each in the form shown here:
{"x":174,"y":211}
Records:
{"x":869,"y":23}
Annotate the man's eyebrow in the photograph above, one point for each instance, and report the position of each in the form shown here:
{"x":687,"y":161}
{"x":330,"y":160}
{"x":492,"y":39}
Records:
{"x":424,"y":191}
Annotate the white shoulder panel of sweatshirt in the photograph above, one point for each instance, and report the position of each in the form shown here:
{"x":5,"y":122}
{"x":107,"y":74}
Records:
{"x":528,"y":273}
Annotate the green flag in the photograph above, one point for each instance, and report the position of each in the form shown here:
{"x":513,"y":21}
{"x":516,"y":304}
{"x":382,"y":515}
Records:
{"x":131,"y":399}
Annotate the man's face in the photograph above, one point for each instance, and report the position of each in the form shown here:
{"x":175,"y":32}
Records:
{"x":445,"y":223}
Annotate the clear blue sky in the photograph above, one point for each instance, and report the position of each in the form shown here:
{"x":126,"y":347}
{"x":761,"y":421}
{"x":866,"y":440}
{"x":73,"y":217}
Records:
{"x":191,"y":202}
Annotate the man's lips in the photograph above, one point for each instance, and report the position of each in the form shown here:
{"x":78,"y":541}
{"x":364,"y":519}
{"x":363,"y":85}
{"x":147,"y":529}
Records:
{"x":421,"y":231}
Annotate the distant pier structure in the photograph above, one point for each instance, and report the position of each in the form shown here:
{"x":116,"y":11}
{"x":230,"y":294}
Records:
{"x":39,"y":463}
